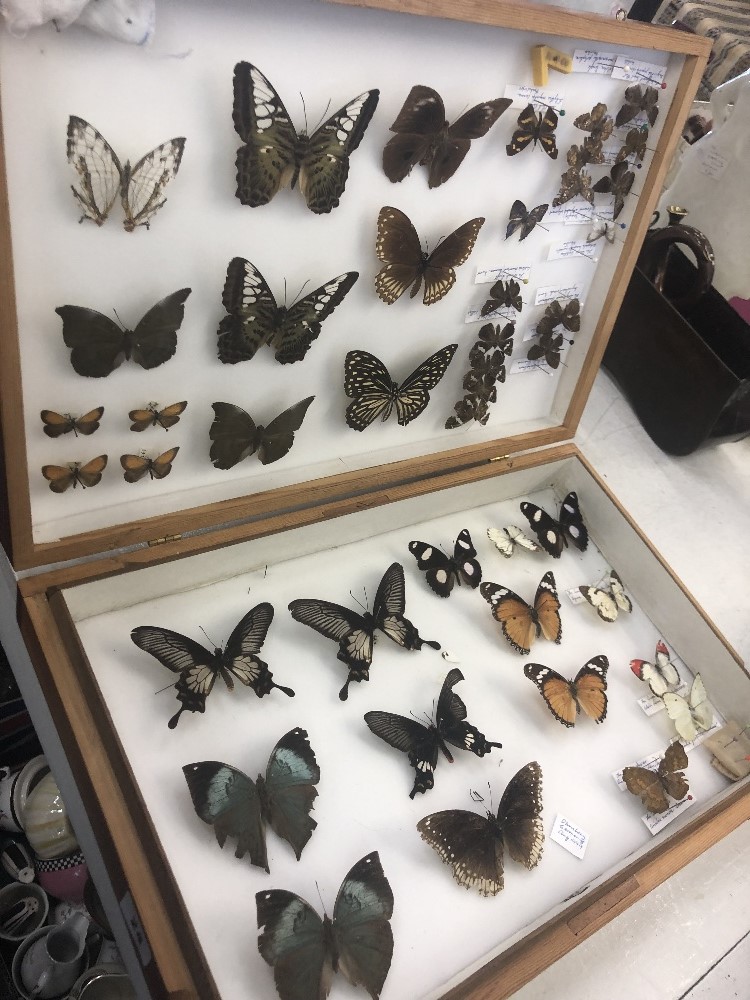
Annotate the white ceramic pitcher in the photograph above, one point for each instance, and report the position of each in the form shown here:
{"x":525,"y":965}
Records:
{"x":53,"y":962}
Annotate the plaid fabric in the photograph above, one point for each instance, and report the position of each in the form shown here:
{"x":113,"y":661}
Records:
{"x":727,"y":24}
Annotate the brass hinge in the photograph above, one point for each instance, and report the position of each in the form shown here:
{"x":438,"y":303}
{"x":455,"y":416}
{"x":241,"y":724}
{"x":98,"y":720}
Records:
{"x":166,"y":538}
{"x":503,"y":458}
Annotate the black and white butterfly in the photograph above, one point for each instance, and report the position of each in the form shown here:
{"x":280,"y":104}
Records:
{"x":238,"y":807}
{"x":524,"y":219}
{"x":374,"y":393}
{"x":355,"y":632}
{"x":608,"y":603}
{"x":305,"y":951}
{"x":536,"y":128}
{"x":276,"y":155}
{"x":554,"y":535}
{"x":424,"y":743}
{"x":255,"y":319}
{"x":473,"y":845}
{"x":198,"y":667}
{"x":101,"y":176}
{"x":442,"y":571}
{"x":507,"y":540}
{"x":235,"y":435}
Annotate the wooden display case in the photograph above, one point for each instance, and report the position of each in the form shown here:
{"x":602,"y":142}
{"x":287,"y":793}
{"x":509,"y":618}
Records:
{"x":333,"y":514}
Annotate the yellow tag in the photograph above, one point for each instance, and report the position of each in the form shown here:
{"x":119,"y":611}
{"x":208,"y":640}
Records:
{"x":545,"y":58}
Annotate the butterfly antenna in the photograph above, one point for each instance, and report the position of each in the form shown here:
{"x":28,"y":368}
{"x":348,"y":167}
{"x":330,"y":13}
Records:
{"x":265,"y":571}
{"x":357,"y":601}
{"x":208,"y":637}
{"x":118,"y":319}
{"x":322,"y":904}
{"x":322,"y":117}
{"x":299,"y":292}
{"x":166,"y":688}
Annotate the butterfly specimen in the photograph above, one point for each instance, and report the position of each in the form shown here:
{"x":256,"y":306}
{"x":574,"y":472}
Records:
{"x":424,"y":136}
{"x":653,"y":787}
{"x":539,"y":128}
{"x":369,"y":385}
{"x":661,"y":675}
{"x":276,"y":155}
{"x":423,"y":743}
{"x":238,"y":807}
{"x":601,"y":228}
{"x":524,"y":219}
{"x":101,"y":176}
{"x":355,"y":632}
{"x":136,"y":466}
{"x":198,"y":667}
{"x":587,"y":692}
{"x":487,"y":368}
{"x":618,"y":184}
{"x":509,"y":539}
{"x":597,"y":122}
{"x":235,"y":435}
{"x":473,"y":845}
{"x":305,"y":951}
{"x":637,"y":100}
{"x":442,"y":571}
{"x":568,"y":316}
{"x":152,"y":416}
{"x":255,"y":319}
{"x":574,"y":183}
{"x":62,"y":477}
{"x":397,"y":245}
{"x":503,"y":294}
{"x":549,"y":349}
{"x":590,"y":151}
{"x":554,"y":535}
{"x":56,"y":424}
{"x":100,"y":345}
{"x":521,"y":623}
{"x":608,"y":603}
{"x":691,"y":715}
{"x":634,"y":145}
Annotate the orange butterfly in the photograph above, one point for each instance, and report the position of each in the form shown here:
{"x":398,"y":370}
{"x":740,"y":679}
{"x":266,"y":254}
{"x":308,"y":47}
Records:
{"x":565,"y":698}
{"x":61,"y":477}
{"x":521,"y":623}
{"x":152,"y":416}
{"x":136,"y":466}
{"x":56,"y":424}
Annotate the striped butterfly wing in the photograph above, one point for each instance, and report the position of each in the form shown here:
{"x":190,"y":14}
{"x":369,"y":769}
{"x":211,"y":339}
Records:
{"x":240,"y":656}
{"x":389,"y":607}
{"x":98,"y":168}
{"x":196,"y":665}
{"x":439,"y":266}
{"x":398,"y":247}
{"x":352,"y":631}
{"x":143,"y":186}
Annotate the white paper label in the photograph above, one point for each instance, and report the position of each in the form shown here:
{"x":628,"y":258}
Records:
{"x":573,"y":248}
{"x":524,"y":94}
{"x":712,"y":163}
{"x":548,"y":293}
{"x":590,"y":61}
{"x":651,"y":705}
{"x":575,"y":596}
{"x":576,"y":212}
{"x":506,"y":313}
{"x":657,"y":821}
{"x":569,"y":836}
{"x":530,"y":366}
{"x":638,"y":71}
{"x":517,"y":272}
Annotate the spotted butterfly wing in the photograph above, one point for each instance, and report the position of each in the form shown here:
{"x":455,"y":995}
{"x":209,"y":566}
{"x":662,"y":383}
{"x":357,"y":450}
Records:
{"x":238,"y":807}
{"x":62,"y":477}
{"x":653,"y":787}
{"x":255,"y":319}
{"x":198,"y":667}
{"x":374,"y":393}
{"x":597,"y":122}
{"x":692,"y":715}
{"x":564,"y":698}
{"x":553,"y":535}
{"x":637,"y":100}
{"x":136,"y":466}
{"x":56,"y":424}
{"x":442,"y":571}
{"x":99,"y":345}
{"x":661,"y":675}
{"x":608,"y":603}
{"x":423,"y":744}
{"x":304,"y":950}
{"x":473,"y":845}
{"x":355,"y":632}
{"x":152,"y":416}
{"x":520,"y":622}
{"x":101,"y":177}
{"x":398,"y":247}
{"x":424,"y":136}
{"x":235,"y":435}
{"x":275,"y":155}
{"x":524,"y":219}
{"x":618,"y":184}
{"x":507,"y":540}
{"x":574,"y":183}
{"x":536,"y":128}
{"x":590,"y":151}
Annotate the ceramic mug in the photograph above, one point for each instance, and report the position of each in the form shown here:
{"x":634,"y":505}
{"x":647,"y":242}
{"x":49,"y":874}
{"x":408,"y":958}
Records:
{"x":23,"y":910}
{"x":53,"y":961}
{"x":14,"y":790}
{"x":64,"y":878}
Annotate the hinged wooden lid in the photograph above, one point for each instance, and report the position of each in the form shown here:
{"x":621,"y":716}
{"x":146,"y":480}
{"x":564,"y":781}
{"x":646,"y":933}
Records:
{"x":470,"y":52}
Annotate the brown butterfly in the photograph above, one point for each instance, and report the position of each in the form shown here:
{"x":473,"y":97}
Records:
{"x":637,"y":100}
{"x":398,"y":246}
{"x":555,"y":315}
{"x":503,"y":294}
{"x":425,"y":137}
{"x":549,"y":348}
{"x":574,"y":183}
{"x":590,"y":151}
{"x":597,"y":122}
{"x":136,"y":466}
{"x":61,"y":477}
{"x":668,"y":779}
{"x":619,"y":183}
{"x":152,"y":416}
{"x":56,"y":424}
{"x":523,"y":219}
{"x":537,"y":127}
{"x":634,"y":145}
{"x":521,"y":623}
{"x":564,"y":698}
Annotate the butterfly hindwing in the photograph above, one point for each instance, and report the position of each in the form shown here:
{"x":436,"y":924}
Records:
{"x":442,"y":571}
